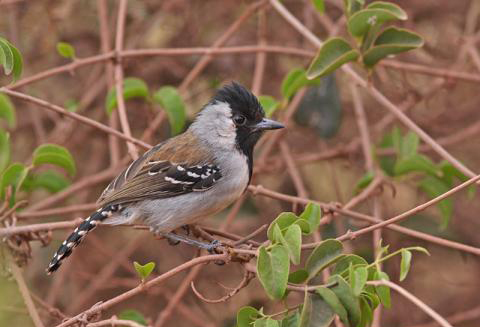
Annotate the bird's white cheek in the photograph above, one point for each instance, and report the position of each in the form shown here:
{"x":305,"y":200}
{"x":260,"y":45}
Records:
{"x":226,"y":133}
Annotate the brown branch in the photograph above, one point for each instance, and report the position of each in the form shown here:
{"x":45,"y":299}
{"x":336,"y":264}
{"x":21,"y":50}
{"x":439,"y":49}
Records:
{"x":19,"y":204}
{"x":205,"y":60}
{"x":80,"y":118}
{"x":177,"y":297}
{"x":143,"y":287}
{"x":102,"y":176}
{"x":261,"y":56}
{"x":88,"y":207}
{"x":251,"y":235}
{"x":425,"y":308}
{"x":113,"y":143}
{"x":247,"y":277}
{"x":292,"y":170}
{"x":118,"y":75}
{"x":369,"y":166}
{"x":17,"y":274}
{"x":9,"y":231}
{"x":415,"y":210}
{"x":456,"y":318}
{"x":375,"y":93}
{"x":221,"y":232}
{"x":105,"y":273}
{"x":115,"y":322}
{"x":433,"y":239}
{"x":432,"y":71}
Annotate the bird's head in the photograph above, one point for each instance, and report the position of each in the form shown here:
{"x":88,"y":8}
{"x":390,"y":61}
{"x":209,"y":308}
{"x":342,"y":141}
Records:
{"x":233,"y":118}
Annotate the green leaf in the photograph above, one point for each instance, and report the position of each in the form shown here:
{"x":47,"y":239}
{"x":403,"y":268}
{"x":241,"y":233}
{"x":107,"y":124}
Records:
{"x":246,"y":316}
{"x":405,"y":264}
{"x":132,"y":88}
{"x":17,"y":62}
{"x":367,"y":313}
{"x":7,"y":110}
{"x":49,"y":180}
{"x":352,"y":6}
{"x":170,"y":100}
{"x":360,"y":276}
{"x":435,"y":187}
{"x":14,"y":175}
{"x":332,"y":300}
{"x":364,"y":181}
{"x":294,"y":81}
{"x":55,"y":155}
{"x":361,"y":22}
{"x":269,"y":104}
{"x":325,"y":254}
{"x":284,"y":220}
{"x":271,"y":323}
{"x":348,"y":299}
{"x":66,"y":50}
{"x":293,"y":243}
{"x":4,"y":149}
{"x":392,"y":139}
{"x":391,"y":7}
{"x":292,"y":320}
{"x":262,"y":322}
{"x":391,"y":41}
{"x":304,"y":226}
{"x":145,"y":270}
{"x":273,"y":268}
{"x":298,"y":277}
{"x":344,"y":263}
{"x":319,"y":5}
{"x":312,"y":214}
{"x":448,"y":172}
{"x":383,"y":291}
{"x":371,"y":296}
{"x":315,"y":312}
{"x":409,"y":145}
{"x":415,"y":163}
{"x":133,"y":315}
{"x":6,"y":56}
{"x":419,"y":249}
{"x":334,"y":53}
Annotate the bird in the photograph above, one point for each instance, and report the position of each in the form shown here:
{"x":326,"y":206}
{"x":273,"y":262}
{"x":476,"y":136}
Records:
{"x":187,"y":177}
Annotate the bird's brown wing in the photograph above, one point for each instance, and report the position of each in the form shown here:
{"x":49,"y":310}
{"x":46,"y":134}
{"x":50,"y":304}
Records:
{"x":174,"y":167}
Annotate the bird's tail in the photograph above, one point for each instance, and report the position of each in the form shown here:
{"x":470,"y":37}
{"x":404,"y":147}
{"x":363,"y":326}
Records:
{"x":79,"y":233}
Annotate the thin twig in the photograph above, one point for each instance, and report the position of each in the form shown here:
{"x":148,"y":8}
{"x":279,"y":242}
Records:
{"x":118,"y":74}
{"x":375,"y":93}
{"x":247,"y":276}
{"x":143,"y":287}
{"x":80,"y":118}
{"x":17,"y":274}
{"x":203,"y":62}
{"x":9,"y":231}
{"x":433,"y":239}
{"x":115,"y":322}
{"x":425,"y":308}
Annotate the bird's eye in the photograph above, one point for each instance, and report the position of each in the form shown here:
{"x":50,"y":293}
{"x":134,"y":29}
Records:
{"x":239,"y":120}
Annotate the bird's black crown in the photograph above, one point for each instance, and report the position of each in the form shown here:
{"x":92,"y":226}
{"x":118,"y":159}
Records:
{"x":241,"y":100}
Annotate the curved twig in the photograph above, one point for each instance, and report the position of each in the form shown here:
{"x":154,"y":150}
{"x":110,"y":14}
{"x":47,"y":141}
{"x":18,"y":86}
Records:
{"x":425,"y":308}
{"x":247,"y":276}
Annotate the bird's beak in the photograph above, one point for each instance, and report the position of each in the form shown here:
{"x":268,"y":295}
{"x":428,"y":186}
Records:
{"x":266,"y":124}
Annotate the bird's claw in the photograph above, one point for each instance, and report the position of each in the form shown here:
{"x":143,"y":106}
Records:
{"x":211,"y":247}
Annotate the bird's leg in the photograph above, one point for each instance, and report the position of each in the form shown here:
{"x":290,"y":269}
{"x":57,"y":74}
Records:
{"x":175,"y":238}
{"x":171,"y":241}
